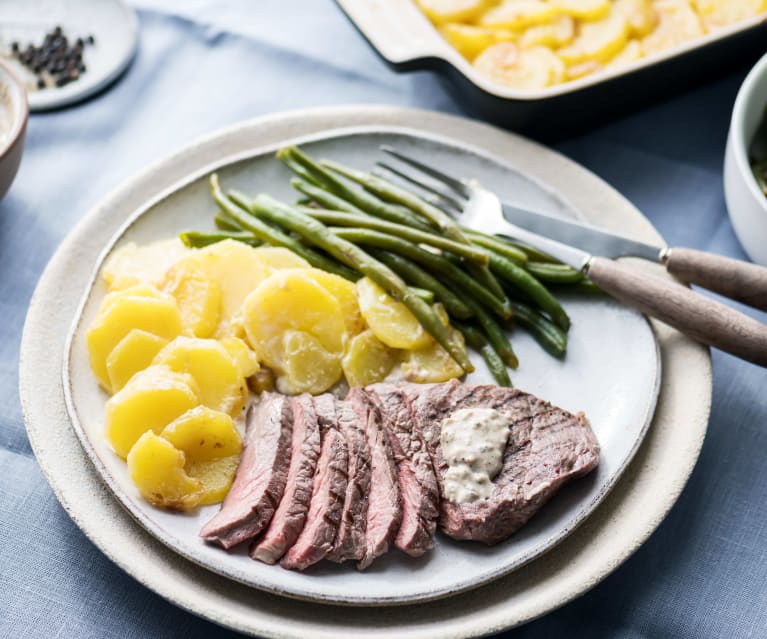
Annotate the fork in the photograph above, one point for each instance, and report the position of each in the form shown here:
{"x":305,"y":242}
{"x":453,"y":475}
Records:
{"x":701,"y":318}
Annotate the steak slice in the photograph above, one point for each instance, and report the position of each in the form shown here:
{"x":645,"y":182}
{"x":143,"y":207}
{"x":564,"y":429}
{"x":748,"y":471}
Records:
{"x":261,"y":476}
{"x":290,"y":516}
{"x":350,"y":540}
{"x":384,"y":512}
{"x":415,"y":472}
{"x":547,"y":448}
{"x":328,"y":494}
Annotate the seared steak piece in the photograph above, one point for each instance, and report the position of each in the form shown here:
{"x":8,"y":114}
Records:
{"x":328,"y":495}
{"x":384,"y":512}
{"x":261,"y":476}
{"x":290,"y":515}
{"x":415,"y":472}
{"x":547,"y":447}
{"x":350,"y":540}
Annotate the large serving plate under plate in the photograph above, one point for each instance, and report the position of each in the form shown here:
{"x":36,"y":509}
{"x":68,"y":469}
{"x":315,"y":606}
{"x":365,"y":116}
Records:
{"x":611,"y":372}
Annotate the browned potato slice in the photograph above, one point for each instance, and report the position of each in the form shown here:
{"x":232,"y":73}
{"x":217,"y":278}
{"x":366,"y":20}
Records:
{"x":151,"y":400}
{"x":157,"y":469}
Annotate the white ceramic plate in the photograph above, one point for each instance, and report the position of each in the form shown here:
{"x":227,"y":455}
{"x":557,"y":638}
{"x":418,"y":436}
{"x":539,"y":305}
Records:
{"x":611,"y":372}
{"x":112,"y":23}
{"x":623,"y":521}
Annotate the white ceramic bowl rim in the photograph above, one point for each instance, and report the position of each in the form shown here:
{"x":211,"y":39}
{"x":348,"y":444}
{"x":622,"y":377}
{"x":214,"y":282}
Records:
{"x":737,"y":128}
{"x":17,"y":97}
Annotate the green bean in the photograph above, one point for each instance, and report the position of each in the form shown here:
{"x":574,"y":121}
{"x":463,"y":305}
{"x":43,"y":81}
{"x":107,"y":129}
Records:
{"x":426,"y":295}
{"x":318,"y":234}
{"x":224,"y":223}
{"x":521,"y":279}
{"x":498,"y":245}
{"x":324,"y":198}
{"x":433,"y":261}
{"x":394,"y":193}
{"x":360,"y":199}
{"x":302,"y":172}
{"x":495,"y":364}
{"x":415,"y":275}
{"x":195,"y":239}
{"x":554,"y":273}
{"x":532,"y":252}
{"x":546,"y":333}
{"x":416,"y":236}
{"x":266,"y":233}
{"x":495,"y":334}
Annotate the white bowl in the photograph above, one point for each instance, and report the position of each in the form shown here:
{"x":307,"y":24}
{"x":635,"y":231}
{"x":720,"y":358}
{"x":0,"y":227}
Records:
{"x":14,"y":114}
{"x":745,"y":201}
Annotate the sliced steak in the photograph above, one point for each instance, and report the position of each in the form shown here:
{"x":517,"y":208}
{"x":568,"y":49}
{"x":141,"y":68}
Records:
{"x":290,"y":516}
{"x":547,"y":447}
{"x":415,"y":472}
{"x":328,"y":495}
{"x":384,"y":512}
{"x":261,"y":476}
{"x":350,"y":540}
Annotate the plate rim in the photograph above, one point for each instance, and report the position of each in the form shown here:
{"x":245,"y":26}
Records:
{"x":138,"y":513}
{"x":199,"y":591}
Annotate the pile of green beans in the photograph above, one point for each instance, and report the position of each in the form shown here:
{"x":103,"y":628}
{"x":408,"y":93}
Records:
{"x":356,"y":224}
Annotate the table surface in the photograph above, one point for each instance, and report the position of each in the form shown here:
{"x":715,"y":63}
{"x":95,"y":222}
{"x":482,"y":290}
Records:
{"x":210,"y":63}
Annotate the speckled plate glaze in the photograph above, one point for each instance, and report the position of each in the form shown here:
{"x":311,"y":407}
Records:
{"x":625,"y":518}
{"x":611,"y":372}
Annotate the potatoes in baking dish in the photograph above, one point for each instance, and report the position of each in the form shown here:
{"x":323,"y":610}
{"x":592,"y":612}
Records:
{"x":534,"y":44}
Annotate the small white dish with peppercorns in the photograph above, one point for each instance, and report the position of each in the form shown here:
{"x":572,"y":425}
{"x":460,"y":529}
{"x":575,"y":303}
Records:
{"x":66,"y":51}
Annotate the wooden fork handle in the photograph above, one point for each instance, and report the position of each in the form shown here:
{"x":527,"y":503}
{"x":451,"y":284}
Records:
{"x":738,"y":280}
{"x":703,"y":319}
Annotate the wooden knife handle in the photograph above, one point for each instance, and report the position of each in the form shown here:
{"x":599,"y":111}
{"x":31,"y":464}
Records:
{"x":735,"y":279}
{"x":703,"y":319}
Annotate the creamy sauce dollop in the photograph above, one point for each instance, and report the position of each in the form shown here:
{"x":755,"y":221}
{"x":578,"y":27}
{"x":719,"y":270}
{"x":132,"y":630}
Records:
{"x":473,"y":441}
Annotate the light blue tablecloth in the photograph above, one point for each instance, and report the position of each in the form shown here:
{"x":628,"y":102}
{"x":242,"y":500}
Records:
{"x":703,"y":574}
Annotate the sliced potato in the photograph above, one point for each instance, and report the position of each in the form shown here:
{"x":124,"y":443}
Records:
{"x":157,"y":469}
{"x":391,"y":321}
{"x":345,"y":293}
{"x":151,"y":400}
{"x":216,"y":476}
{"x":307,"y":366}
{"x":677,"y":23}
{"x":519,"y":14}
{"x":583,"y":69}
{"x":432,"y":364}
{"x":440,"y":11}
{"x":237,"y":269}
{"x":367,"y":359}
{"x":278,"y":257}
{"x":583,"y":9}
{"x":640,"y":14}
{"x":204,"y":434}
{"x":197,"y":295}
{"x":555,"y":34}
{"x":598,"y":41}
{"x":132,"y":264}
{"x":716,"y":14}
{"x":133,"y":353}
{"x":222,"y":385}
{"x":631,"y":53}
{"x":158,"y":316}
{"x":290,"y":300}
{"x":142,"y":289}
{"x":471,"y":40}
{"x":246,"y":359}
{"x":529,"y":69}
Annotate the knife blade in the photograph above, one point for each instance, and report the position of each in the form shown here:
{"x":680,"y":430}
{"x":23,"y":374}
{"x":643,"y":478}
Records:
{"x":583,"y":236}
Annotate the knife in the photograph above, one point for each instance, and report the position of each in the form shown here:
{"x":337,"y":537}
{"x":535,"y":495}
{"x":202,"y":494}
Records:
{"x":735,"y":279}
